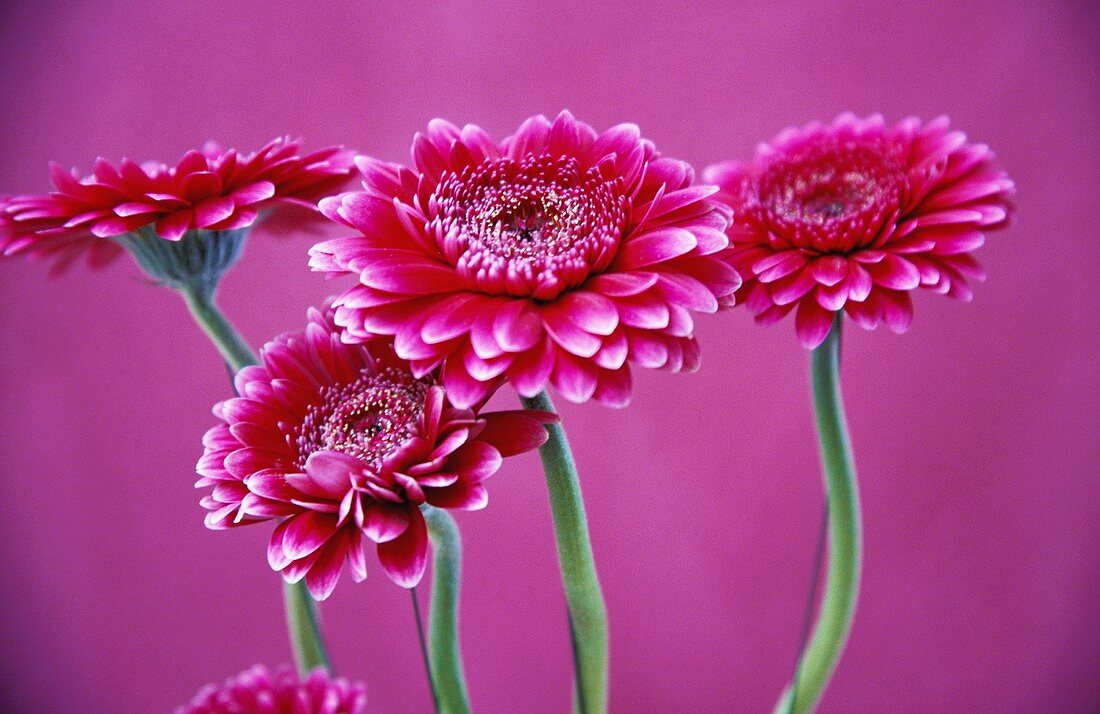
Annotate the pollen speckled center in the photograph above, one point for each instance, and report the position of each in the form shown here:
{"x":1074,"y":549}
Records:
{"x":369,"y":418}
{"x":531,"y":227}
{"x":832,"y":198}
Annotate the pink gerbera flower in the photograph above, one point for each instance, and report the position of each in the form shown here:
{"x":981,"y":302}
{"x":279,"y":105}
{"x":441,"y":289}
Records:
{"x":854,"y":215}
{"x":557,"y":256}
{"x":345,"y":444}
{"x":212,"y":189}
{"x":258,"y":690}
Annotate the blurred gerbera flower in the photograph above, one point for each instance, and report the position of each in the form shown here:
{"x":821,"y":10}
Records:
{"x":211,"y":189}
{"x":345,"y":443}
{"x":853,"y":215}
{"x":258,"y":690}
{"x":558,"y":256}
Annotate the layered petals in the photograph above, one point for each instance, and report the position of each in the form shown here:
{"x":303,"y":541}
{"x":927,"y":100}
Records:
{"x":211,"y":189}
{"x":344,"y":444}
{"x":543,"y":259}
{"x":854,"y":215}
{"x":258,"y":689}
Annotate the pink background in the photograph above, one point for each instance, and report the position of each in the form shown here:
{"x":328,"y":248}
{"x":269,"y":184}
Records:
{"x":975,"y":433}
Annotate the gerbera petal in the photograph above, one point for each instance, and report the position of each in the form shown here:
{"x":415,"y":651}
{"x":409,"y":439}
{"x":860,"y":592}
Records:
{"x":406,"y":557}
{"x":306,"y":532}
{"x":332,"y":472}
{"x":812,"y":323}
{"x":383,"y":522}
{"x":512,"y":433}
{"x":323,"y":575}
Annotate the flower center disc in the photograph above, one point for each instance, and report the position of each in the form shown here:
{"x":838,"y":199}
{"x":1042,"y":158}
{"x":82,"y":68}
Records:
{"x":832,"y":198}
{"x":369,"y":418}
{"x":533,"y":227}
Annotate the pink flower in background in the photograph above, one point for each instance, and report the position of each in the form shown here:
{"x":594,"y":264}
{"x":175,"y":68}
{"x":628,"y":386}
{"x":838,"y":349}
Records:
{"x":345,"y":444}
{"x":854,"y":215}
{"x":257,"y":690}
{"x":558,"y":256}
{"x":211,"y":189}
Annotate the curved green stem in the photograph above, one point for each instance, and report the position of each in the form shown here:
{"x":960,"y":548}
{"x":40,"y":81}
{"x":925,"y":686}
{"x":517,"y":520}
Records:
{"x":301,"y":611}
{"x":446,"y":657}
{"x":838,"y":605}
{"x":424,"y":649}
{"x":234,"y":350}
{"x":304,"y":629}
{"x":587,"y":613}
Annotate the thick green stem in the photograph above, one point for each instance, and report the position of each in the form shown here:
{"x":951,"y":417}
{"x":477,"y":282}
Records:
{"x":838,"y":604}
{"x":304,"y":629}
{"x":234,"y":350}
{"x":446,"y":657}
{"x":587,"y":613}
{"x":301,"y":611}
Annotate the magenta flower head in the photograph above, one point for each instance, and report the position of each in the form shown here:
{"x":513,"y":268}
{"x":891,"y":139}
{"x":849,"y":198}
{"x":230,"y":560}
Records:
{"x":557,"y":256}
{"x":345,"y":444}
{"x":257,"y":690}
{"x":854,"y":215}
{"x":152,"y":208}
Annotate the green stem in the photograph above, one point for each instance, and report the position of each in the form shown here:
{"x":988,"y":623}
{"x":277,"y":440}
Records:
{"x":842,"y":586}
{"x":424,"y":649}
{"x":587,"y":613}
{"x":304,"y":629}
{"x":234,"y":350}
{"x":301,"y":611}
{"x":446,"y":658}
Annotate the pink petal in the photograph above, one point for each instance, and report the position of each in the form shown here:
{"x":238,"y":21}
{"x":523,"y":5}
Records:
{"x":645,"y":311}
{"x":475,"y":461}
{"x":453,"y":318}
{"x":792,"y":288}
{"x":812,"y":323}
{"x":323,"y":575}
{"x":512,"y":433}
{"x":687,"y":291}
{"x":570,"y":337}
{"x":778,"y":265}
{"x":406,"y":557}
{"x":897,"y":310}
{"x":383,"y":522}
{"x":895,"y":273}
{"x":830,"y":270}
{"x":462,"y":495}
{"x":614,"y":388}
{"x":575,"y":378}
{"x":213,"y":211}
{"x":622,"y":284}
{"x":463,"y":390}
{"x":276,"y":556}
{"x":655,"y":247}
{"x":198,"y":186}
{"x":253,"y":193}
{"x":411,"y":278}
{"x":591,"y":312}
{"x":531,"y":370}
{"x":517,"y":326}
{"x":332,"y":472}
{"x":174,"y":225}
{"x":306,"y":532}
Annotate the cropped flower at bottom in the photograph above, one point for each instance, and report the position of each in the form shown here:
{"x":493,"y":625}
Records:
{"x":257,"y":690}
{"x":346,"y":445}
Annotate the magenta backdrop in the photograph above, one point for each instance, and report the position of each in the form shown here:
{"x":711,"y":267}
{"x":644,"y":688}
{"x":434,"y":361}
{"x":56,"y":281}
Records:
{"x":975,"y":433}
